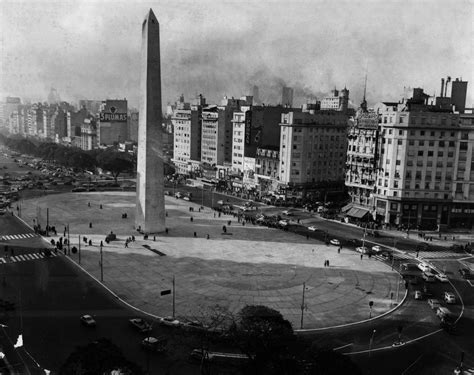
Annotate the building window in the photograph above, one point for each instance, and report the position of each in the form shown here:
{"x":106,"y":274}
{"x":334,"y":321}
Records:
{"x":400,"y":142}
{"x":400,"y":132}
{"x":421,"y":143}
{"x":430,"y":153}
{"x":420,"y":153}
{"x":422,"y":132}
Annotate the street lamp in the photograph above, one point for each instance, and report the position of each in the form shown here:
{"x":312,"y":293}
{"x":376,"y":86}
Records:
{"x":371,"y":342}
{"x":101,"y":265}
{"x":303,"y":305}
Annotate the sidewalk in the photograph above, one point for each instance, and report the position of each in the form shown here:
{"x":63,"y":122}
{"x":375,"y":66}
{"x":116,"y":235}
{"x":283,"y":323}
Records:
{"x":248,"y":265}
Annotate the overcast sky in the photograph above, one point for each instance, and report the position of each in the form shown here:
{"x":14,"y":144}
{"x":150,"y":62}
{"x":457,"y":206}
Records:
{"x":91,"y":49}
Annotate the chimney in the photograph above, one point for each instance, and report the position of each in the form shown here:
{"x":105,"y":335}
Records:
{"x":448,"y":79}
{"x":442,"y":87}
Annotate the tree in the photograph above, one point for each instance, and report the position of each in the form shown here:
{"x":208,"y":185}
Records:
{"x":114,"y":162}
{"x":265,"y":336}
{"x":98,"y":357}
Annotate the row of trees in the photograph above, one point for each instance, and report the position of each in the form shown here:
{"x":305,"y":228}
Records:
{"x":73,"y":157}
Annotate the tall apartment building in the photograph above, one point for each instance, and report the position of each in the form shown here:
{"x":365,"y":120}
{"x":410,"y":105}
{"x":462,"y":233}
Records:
{"x":11,"y":104}
{"x":362,"y":162}
{"x":425,"y":167}
{"x":186,"y":120}
{"x":336,"y":101}
{"x":313,"y":148}
{"x":88,"y":140}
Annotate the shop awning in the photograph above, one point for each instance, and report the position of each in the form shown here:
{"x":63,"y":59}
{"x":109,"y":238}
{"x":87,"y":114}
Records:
{"x":358,"y":213}
{"x":347,"y":207}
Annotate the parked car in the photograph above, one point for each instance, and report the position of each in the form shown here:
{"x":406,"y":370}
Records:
{"x":155,"y":344}
{"x":424,"y":267}
{"x":88,"y":321}
{"x":283,"y":223}
{"x":335,"y":242}
{"x":450,"y":298}
{"x":434,"y":303}
{"x":418,"y":295}
{"x":140,"y":324}
{"x":442,"y":277}
{"x":312,"y":228}
{"x":287,"y":213}
{"x":376,"y":248}
{"x":362,"y":250}
{"x":170,"y":321}
{"x":443,"y":313}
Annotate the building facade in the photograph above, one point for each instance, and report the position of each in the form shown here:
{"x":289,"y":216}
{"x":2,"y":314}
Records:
{"x":113,"y":122}
{"x":313,"y":148}
{"x":336,"y":101}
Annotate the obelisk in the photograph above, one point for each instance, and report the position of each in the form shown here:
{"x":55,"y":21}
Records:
{"x":150,"y":212}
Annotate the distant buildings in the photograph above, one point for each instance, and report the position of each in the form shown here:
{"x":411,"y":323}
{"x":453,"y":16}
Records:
{"x":287,"y":97}
{"x":337,"y":101}
{"x":112,"y":125}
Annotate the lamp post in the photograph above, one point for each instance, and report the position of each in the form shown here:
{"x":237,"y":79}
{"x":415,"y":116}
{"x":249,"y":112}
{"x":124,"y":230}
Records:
{"x":101,"y":265}
{"x":303,"y":305}
{"x":371,"y":342}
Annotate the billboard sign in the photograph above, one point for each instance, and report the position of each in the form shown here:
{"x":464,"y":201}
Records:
{"x":113,"y":115}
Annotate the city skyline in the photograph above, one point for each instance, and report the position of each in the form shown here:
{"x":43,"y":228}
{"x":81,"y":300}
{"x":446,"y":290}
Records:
{"x":90,"y":50}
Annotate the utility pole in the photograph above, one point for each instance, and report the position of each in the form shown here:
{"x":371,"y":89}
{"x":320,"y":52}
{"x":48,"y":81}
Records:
{"x":47,"y":221}
{"x":371,"y":342}
{"x":68,"y":241}
{"x":101,"y":265}
{"x":302,"y":306}
{"x":79,"y":249}
{"x":174,"y":299}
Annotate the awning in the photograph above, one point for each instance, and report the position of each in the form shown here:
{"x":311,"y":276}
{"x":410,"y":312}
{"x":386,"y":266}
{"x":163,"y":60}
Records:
{"x":358,"y":213}
{"x":347,"y":207}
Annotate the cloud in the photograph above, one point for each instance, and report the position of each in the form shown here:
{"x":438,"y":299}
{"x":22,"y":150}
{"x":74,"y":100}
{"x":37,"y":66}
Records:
{"x":91,"y":49}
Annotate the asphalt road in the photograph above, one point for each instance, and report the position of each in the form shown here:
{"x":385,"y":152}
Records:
{"x":51,"y":294}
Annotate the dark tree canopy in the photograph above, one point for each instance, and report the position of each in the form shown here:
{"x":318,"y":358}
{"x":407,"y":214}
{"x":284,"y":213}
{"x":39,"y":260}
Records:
{"x":98,"y":357}
{"x":115,"y":162}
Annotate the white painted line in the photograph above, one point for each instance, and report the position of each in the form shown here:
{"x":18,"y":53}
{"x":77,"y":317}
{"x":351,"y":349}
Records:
{"x":2,"y":260}
{"x":344,"y":346}
{"x":470,"y":283}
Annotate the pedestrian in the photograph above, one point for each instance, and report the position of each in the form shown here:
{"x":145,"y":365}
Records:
{"x":89,"y":204}
{"x":195,"y":234}
{"x":361,"y":256}
{"x":166,"y":230}
{"x":324,"y":263}
{"x":191,"y":218}
{"x":101,"y":207}
{"x":214,"y":215}
{"x":154,"y":238}
{"x":339,"y":250}
{"x":90,"y":225}
{"x":126,"y":242}
{"x":207,"y":236}
{"x":90,"y":242}
{"x":133,"y":238}
{"x":101,"y":244}
{"x":228,"y":223}
{"x":313,"y":250}
{"x":327,"y":262}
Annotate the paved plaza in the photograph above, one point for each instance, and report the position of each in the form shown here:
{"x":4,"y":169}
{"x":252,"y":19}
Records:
{"x":249,"y":264}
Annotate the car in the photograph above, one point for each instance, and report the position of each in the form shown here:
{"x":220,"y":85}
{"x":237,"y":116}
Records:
{"x":335,"y":242}
{"x":186,"y":198}
{"x":312,"y":228}
{"x":465,"y":273}
{"x":424,"y":267}
{"x":450,"y":298}
{"x":283,"y":223}
{"x":418,"y":295}
{"x":178,"y":194}
{"x":442,"y":277}
{"x":376,"y":248}
{"x":194,"y":325}
{"x":140,"y":324}
{"x":155,"y":344}
{"x":362,"y":249}
{"x":287,"y":213}
{"x":444,"y":313}
{"x":170,"y":321}
{"x":88,"y":320}
{"x":434,"y":303}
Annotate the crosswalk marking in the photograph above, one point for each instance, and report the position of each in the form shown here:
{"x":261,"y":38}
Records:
{"x":20,"y":236}
{"x":25,"y":257}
